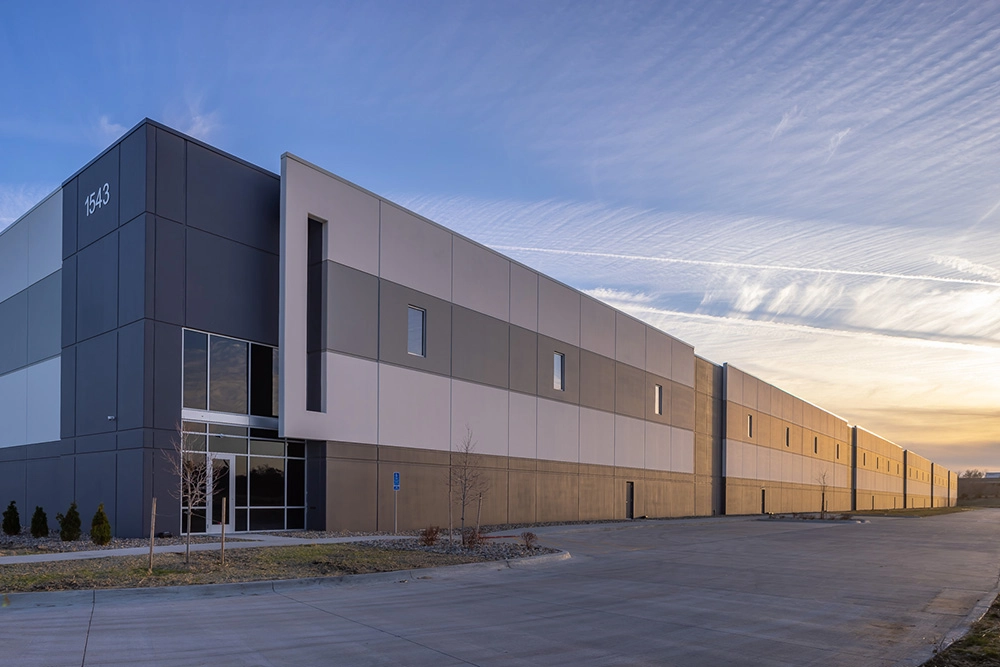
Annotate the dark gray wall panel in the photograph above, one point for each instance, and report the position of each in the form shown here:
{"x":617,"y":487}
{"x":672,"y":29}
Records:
{"x":136,"y":173}
{"x":547,"y":347}
{"x":133,"y":439}
{"x":129,"y":493}
{"x":70,"y":204}
{"x":102,"y":442}
{"x":630,"y":390}
{"x":13,"y":486}
{"x":168,"y":291}
{"x":316,"y":485}
{"x":14,"y":332}
{"x":170,"y":175}
{"x":44,"y":317}
{"x":352,"y":311}
{"x":46,"y":450}
{"x":51,"y":485}
{"x":132,"y":271}
{"x":231,"y":199}
{"x":96,"y":478}
{"x":480,"y":347}
{"x":167,"y":371}
{"x":131,"y":376}
{"x":96,"y":384}
{"x":523,"y":360}
{"x":13,"y":453}
{"x":597,"y":381}
{"x":67,"y":393}
{"x":68,"y":318}
{"x":163,"y":483}
{"x":393,"y":303}
{"x":97,"y":288}
{"x":92,"y":226}
{"x":231,"y":288}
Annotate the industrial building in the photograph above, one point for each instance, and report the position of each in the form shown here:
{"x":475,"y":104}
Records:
{"x":319,"y":343}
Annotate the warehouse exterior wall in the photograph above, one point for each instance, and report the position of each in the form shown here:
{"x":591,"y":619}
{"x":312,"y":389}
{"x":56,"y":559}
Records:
{"x":940,"y":493}
{"x":879,"y":472}
{"x":782,"y":454}
{"x":918,"y":481}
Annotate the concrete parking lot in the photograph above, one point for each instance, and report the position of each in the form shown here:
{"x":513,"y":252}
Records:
{"x":727,"y":591}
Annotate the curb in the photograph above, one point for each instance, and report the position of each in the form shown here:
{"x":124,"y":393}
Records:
{"x":279,"y":586}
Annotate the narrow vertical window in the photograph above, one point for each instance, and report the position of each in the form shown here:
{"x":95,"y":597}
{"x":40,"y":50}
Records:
{"x":838,"y":450}
{"x":864,"y":458}
{"x":228,"y":363}
{"x":815,"y":445}
{"x":749,"y":426}
{"x":788,"y":436}
{"x":315,"y":316}
{"x":416,"y":331}
{"x":559,"y":371}
{"x":658,"y":399}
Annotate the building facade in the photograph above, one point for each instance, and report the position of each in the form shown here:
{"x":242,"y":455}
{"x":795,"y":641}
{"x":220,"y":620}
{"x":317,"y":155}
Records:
{"x":322,"y":346}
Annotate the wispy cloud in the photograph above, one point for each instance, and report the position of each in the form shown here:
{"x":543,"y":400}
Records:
{"x":108,"y":131}
{"x":17,"y":199}
{"x":193,"y":120}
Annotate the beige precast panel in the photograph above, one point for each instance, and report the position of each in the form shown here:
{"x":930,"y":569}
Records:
{"x":523,"y":425}
{"x":351,"y":399}
{"x":415,"y":253}
{"x":734,"y":384}
{"x":630,"y":438}
{"x":682,"y":362}
{"x":597,"y":437}
{"x":523,"y":297}
{"x":659,"y":351}
{"x":681,"y":450}
{"x":351,"y":234}
{"x":558,"y":431}
{"x":597,"y":327}
{"x":414,"y":409}
{"x":558,"y":311}
{"x":484,"y":410}
{"x":732,"y":458}
{"x":630,"y":341}
{"x":658,"y":450}
{"x":481,"y":279}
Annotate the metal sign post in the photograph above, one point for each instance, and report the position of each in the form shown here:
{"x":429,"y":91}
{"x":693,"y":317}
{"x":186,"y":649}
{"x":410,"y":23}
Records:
{"x":395,"y":504}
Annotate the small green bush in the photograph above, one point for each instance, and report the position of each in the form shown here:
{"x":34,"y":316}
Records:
{"x":100,"y":527}
{"x":11,"y":520}
{"x":39,"y":523}
{"x":69,"y":525}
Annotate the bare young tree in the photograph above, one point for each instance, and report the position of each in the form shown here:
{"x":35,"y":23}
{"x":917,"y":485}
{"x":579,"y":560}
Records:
{"x":973,"y":473}
{"x":822,"y":502}
{"x":467,"y":480}
{"x":194,"y":479}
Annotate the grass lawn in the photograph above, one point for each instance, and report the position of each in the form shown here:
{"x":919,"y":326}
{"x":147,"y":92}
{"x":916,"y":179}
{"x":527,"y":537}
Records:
{"x":980,"y":647}
{"x":252,"y":564}
{"x":924,"y":511}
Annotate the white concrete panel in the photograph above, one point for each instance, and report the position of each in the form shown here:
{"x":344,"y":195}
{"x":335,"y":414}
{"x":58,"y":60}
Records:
{"x":42,"y":401}
{"x":658,"y":447}
{"x":414,"y":409}
{"x":750,"y":461}
{"x":481,"y":279}
{"x":558,"y":311}
{"x":764,"y":462}
{"x":45,"y":239}
{"x":597,"y":437}
{"x":484,"y":411}
{"x":351,"y":398}
{"x":630,"y":439}
{"x":558,"y":431}
{"x":734,"y":382}
{"x":523,"y":297}
{"x":415,"y":253}
{"x":13,"y":408}
{"x":523,"y":425}
{"x":682,"y":363}
{"x":734,"y":459}
{"x":14,"y":259}
{"x":630,"y":341}
{"x":750,"y":391}
{"x":658,"y":350}
{"x":681,"y":450}
{"x":597,"y":327}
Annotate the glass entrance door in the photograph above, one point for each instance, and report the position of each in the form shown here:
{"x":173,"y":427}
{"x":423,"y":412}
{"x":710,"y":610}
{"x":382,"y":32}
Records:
{"x":222,"y":481}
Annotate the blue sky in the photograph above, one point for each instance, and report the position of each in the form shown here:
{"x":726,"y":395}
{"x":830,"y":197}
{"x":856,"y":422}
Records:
{"x":810,"y":191}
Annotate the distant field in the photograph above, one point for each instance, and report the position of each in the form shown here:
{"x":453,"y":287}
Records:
{"x":979,"y":502}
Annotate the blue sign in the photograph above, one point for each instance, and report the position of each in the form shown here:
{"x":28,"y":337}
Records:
{"x":395,"y":481}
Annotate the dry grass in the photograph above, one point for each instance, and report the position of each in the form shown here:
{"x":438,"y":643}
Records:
{"x":252,"y":564}
{"x":925,"y":511}
{"x":980,"y":647}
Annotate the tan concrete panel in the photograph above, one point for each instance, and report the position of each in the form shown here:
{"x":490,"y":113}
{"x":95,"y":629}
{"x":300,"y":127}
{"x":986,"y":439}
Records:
{"x":480,"y":347}
{"x":630,"y":341}
{"x":523,"y":297}
{"x":750,"y":390}
{"x":349,"y":450}
{"x":597,"y":437}
{"x":561,"y":467}
{"x":558,"y":431}
{"x":597,"y":327}
{"x":732,"y":451}
{"x":558,"y":497}
{"x":481,"y":279}
{"x":521,"y":497}
{"x":630,"y":391}
{"x":558,"y":311}
{"x":630,"y":438}
{"x":703,"y":454}
{"x":414,"y":408}
{"x":351,"y":495}
{"x":388,"y":454}
{"x":483,"y":412}
{"x":682,"y":406}
{"x":597,"y":497}
{"x":523,"y":360}
{"x":522,"y":425}
{"x":422,"y":499}
{"x":415,"y":253}
{"x":597,"y":381}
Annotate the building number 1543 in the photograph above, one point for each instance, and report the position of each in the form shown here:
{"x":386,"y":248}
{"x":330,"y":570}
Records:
{"x":97,"y":199}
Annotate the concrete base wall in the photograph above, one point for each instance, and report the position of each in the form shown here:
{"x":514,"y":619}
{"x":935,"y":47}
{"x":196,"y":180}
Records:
{"x":743,"y":496}
{"x":877,"y":500}
{"x":359,"y":490}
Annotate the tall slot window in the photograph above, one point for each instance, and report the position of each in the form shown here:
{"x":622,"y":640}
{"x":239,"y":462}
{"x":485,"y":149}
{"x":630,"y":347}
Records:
{"x":815,"y":444}
{"x":658,"y":399}
{"x":559,"y":371}
{"x":416,"y":331}
{"x":838,"y":450}
{"x":788,"y":436}
{"x":315,"y":314}
{"x":228,"y":375}
{"x":749,"y":426}
{"x":195,"y":370}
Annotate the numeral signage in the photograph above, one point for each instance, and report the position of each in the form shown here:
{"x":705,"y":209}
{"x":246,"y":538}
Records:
{"x":97,"y":199}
